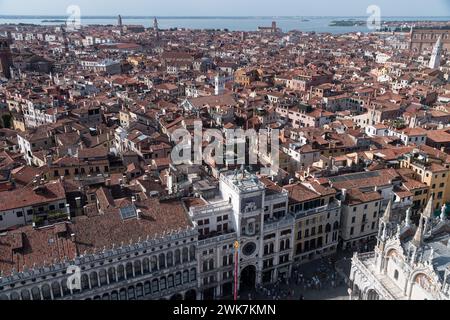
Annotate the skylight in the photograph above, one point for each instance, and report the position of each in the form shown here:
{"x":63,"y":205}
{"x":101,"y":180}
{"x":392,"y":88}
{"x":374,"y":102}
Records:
{"x":128,"y":212}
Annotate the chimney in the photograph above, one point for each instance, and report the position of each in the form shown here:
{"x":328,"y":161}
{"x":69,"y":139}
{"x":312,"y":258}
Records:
{"x":78,"y":202}
{"x":49,"y":160}
{"x":344,"y":195}
{"x":138,"y":214}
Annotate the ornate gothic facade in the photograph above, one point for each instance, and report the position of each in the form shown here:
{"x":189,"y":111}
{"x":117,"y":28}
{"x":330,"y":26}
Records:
{"x":409,"y":262}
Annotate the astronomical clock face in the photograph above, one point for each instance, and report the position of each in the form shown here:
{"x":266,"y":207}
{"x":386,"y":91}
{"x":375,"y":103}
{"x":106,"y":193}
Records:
{"x":249,"y":249}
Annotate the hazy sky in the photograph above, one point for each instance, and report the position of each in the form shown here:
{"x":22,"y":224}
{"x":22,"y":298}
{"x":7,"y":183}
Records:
{"x":228,"y":7}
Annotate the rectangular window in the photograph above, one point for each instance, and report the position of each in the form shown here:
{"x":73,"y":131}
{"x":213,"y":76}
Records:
{"x":163,"y":284}
{"x":170,"y":282}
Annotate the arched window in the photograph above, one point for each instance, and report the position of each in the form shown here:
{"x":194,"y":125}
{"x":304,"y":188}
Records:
{"x":94,"y":279}
{"x":163,"y":284}
{"x":177,"y":257}
{"x":129,"y":270}
{"x":170,"y":281}
{"x":131,"y":293}
{"x":46,"y":295}
{"x":112,"y":275}
{"x":56,"y":289}
{"x":147,"y":288}
{"x":146,"y":266}
{"x":154,"y":263}
{"x":114,"y":295}
{"x":139,"y":290}
{"x":169,"y":259}
{"x":123,"y":294}
{"x":328,"y":228}
{"x":137,"y":268}
{"x":211,"y":264}
{"x":14,"y":296}
{"x":25,"y":294}
{"x":103,"y":278}
{"x":155,"y":286}
{"x":185,"y":276}
{"x":162,"y":261}
{"x":178,"y":279}
{"x":64,"y":288}
{"x":120,"y":273}
{"x":396,"y":275}
{"x":36,"y":293}
{"x":193,"y":275}
{"x":205,"y":266}
{"x":336,"y":226}
{"x":185,"y":255}
{"x":192,"y":253}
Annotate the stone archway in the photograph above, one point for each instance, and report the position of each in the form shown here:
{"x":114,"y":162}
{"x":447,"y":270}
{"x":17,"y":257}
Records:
{"x":191,"y":295}
{"x":372,"y":295}
{"x":177,"y":297}
{"x":248,"y":278}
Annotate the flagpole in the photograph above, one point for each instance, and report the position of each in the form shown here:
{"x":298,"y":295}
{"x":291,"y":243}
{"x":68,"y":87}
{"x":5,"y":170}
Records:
{"x":236,"y":261}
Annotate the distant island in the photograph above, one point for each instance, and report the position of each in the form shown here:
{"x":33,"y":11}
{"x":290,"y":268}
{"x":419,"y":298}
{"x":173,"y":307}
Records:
{"x":59,"y":21}
{"x":347,"y":23}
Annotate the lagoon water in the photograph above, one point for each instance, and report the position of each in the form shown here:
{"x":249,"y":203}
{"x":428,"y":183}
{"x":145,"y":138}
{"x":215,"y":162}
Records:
{"x":306,"y":24}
